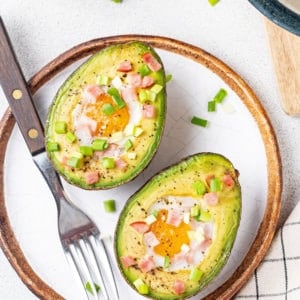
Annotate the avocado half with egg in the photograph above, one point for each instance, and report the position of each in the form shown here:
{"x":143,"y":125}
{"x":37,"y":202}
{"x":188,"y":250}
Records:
{"x":175,"y":234}
{"x":107,"y":118}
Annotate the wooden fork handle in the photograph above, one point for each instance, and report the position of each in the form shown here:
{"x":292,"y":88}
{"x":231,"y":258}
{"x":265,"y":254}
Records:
{"x":17,"y":93}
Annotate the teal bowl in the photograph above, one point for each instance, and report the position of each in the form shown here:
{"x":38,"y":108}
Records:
{"x":279,"y":14}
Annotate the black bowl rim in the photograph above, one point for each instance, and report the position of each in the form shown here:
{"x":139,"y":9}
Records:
{"x":279,"y":14}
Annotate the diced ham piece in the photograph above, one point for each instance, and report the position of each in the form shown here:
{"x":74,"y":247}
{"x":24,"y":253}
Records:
{"x":228,"y":180}
{"x":174,"y":218}
{"x":150,"y":239}
{"x":64,"y":160}
{"x":91,"y":177}
{"x":134,"y":79}
{"x":148,"y":111}
{"x":113,"y":150}
{"x":189,"y":257}
{"x":151,"y":62}
{"x":84,"y":121}
{"x":179,"y":287}
{"x":208,"y":230}
{"x":204,"y":245}
{"x":140,"y":226}
{"x":121,"y":164}
{"x":129,"y":93}
{"x":147,"y":264}
{"x":127,"y":261}
{"x":211,"y":199}
{"x":91,"y":93}
{"x":125,"y":66}
{"x":147,"y":81}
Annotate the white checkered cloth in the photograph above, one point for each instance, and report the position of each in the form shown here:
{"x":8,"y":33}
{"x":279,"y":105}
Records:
{"x":278,"y":276}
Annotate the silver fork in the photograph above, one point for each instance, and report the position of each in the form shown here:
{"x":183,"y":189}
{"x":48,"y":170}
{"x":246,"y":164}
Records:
{"x":85,"y":249}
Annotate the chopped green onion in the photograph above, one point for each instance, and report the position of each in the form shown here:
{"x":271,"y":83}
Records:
{"x":195,"y":211}
{"x":156,"y":88}
{"x":219,"y":97}
{"x":117,"y":1}
{"x":60,"y":127}
{"x":52,"y":146}
{"x":213,"y":2}
{"x":71,"y":138}
{"x":169,"y":78}
{"x":141,"y":286}
{"x":107,"y":109}
{"x":99,"y":144}
{"x":211,"y":106}
{"x":108,"y":162}
{"x":103,"y":80}
{"x":74,"y":162}
{"x":131,"y":155}
{"x":86,"y":150}
{"x":205,"y":216}
{"x":128,"y":145}
{"x":145,"y":95}
{"x":137,"y":131}
{"x":199,"y":187}
{"x":195,"y":274}
{"x":88,"y":287}
{"x":117,"y":97}
{"x":215,"y":185}
{"x":144,"y":70}
{"x":110,"y":205}
{"x":155,"y":213}
{"x":166,"y":262}
{"x":198,"y":121}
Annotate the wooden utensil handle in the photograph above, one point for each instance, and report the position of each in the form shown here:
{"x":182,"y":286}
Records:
{"x":19,"y":98}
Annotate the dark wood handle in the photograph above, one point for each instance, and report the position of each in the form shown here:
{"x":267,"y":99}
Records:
{"x":19,"y":98}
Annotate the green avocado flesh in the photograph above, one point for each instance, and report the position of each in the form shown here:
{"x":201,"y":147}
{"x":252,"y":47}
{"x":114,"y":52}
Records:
{"x":175,"y":234}
{"x":106,"y":120}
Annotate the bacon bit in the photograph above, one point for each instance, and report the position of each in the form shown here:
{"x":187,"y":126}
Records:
{"x":174,"y":218}
{"x":91,"y":93}
{"x":211,"y":199}
{"x":179,"y":287}
{"x":228,"y":181}
{"x":148,"y":111}
{"x":151,"y":62}
{"x":121,"y":164}
{"x":150,"y":239}
{"x":91,"y":177}
{"x":134,"y":79}
{"x":127,"y":261}
{"x":129,"y":94}
{"x":140,"y":226}
{"x":147,"y":264}
{"x":205,"y":244}
{"x":125,"y":66}
{"x":147,"y":81}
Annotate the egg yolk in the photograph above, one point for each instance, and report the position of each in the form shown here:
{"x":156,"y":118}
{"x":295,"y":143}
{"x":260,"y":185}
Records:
{"x":107,"y":124}
{"x":170,"y":237}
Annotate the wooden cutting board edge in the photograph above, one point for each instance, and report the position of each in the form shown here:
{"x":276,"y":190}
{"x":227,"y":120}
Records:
{"x":285,"y":51}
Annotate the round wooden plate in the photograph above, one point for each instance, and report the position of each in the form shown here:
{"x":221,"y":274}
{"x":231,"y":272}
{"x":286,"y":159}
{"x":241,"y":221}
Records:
{"x":267,"y":228}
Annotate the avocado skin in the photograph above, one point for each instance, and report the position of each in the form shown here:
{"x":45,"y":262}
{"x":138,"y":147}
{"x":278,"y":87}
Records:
{"x":205,"y":162}
{"x":111,"y":54}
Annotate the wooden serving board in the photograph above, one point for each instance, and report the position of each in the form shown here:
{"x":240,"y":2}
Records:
{"x":285,"y":50}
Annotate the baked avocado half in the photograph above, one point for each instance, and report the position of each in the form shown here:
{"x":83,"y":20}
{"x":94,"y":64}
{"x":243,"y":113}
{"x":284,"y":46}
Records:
{"x":175,"y":234}
{"x":106,"y":120}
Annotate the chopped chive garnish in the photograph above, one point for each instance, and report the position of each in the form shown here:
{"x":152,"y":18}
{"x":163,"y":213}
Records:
{"x":195,"y":274}
{"x":107,"y":109}
{"x":166,"y":262}
{"x":60,"y":127}
{"x":86,"y":150}
{"x":195,"y":211}
{"x":99,"y":144}
{"x":110,"y":205}
{"x":117,"y":1}
{"x":137,"y":131}
{"x":156,"y":88}
{"x":116,"y":97}
{"x":198,"y":121}
{"x":108,"y":162}
{"x":204,"y":216}
{"x":219,"y":97}
{"x":88,"y":287}
{"x":199,"y":187}
{"x":155,"y":213}
{"x":141,"y":286}
{"x":213,"y":2}
{"x":215,"y":185}
{"x":144,"y":70}
{"x":71,"y":138}
{"x":52,"y":146}
{"x":211,"y":106}
{"x":74,"y":162}
{"x":103,"y":80}
{"x":169,"y":78}
{"x":128,"y":145}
